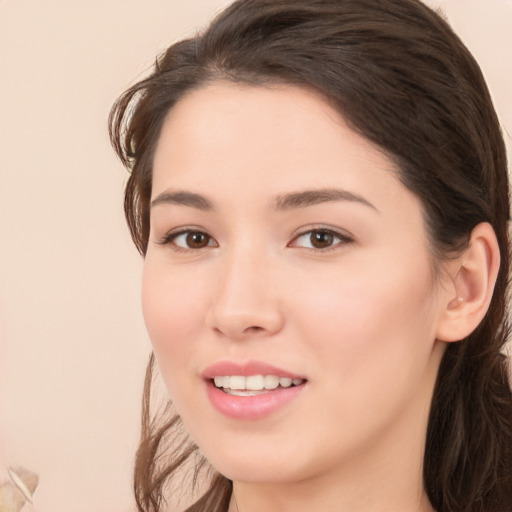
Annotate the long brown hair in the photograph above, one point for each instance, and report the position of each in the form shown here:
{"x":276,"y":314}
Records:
{"x":399,"y":75}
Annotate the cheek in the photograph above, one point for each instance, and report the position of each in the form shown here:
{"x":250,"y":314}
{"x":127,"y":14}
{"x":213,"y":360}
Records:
{"x":172,"y":307}
{"x":368,"y":315}
{"x":368,"y":340}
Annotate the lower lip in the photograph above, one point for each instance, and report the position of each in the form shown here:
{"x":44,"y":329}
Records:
{"x":251,"y":407}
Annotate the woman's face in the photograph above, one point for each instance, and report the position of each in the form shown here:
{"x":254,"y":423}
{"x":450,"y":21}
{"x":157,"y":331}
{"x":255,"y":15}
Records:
{"x":285,"y":252}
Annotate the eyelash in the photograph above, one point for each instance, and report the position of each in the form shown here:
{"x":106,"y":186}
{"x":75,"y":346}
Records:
{"x":343,"y":239}
{"x":169,"y":238}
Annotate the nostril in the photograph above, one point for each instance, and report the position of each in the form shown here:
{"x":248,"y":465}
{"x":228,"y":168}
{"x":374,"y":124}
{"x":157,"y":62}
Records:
{"x":254,"y":328}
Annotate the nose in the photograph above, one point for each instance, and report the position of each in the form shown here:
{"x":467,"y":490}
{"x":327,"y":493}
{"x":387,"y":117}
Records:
{"x":246,"y":302}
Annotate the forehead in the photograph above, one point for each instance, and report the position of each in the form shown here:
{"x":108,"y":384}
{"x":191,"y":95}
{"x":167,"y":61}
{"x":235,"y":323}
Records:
{"x":258,"y":141}
{"x":250,"y":129}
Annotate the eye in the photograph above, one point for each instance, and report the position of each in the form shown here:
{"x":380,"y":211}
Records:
{"x":189,"y":240}
{"x":319,"y":239}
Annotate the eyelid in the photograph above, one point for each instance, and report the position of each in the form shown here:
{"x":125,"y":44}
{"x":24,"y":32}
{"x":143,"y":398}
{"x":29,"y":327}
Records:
{"x":171,"y":235}
{"x":343,"y":236}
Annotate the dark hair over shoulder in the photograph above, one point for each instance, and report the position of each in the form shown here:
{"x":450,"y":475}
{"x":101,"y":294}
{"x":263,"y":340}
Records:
{"x":399,"y":75}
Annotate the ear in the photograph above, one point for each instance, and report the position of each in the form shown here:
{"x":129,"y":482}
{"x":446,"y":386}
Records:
{"x":470,"y":285}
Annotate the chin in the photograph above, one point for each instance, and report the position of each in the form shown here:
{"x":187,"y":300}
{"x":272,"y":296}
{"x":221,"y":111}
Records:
{"x":256,"y":466}
{"x":258,"y":474}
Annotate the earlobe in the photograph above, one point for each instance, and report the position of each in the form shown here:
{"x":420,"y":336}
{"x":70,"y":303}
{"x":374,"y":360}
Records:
{"x":473,"y":276}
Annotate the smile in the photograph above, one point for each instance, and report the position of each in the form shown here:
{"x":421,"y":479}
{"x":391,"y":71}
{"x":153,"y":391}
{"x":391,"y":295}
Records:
{"x":251,"y":390}
{"x":253,"y":385}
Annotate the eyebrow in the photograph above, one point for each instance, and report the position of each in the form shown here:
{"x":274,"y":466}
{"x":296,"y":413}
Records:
{"x":312,"y":197}
{"x":290,"y":201}
{"x":183,"y":198}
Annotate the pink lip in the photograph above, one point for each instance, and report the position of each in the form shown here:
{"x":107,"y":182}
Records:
{"x":246,"y":368}
{"x":249,"y":407}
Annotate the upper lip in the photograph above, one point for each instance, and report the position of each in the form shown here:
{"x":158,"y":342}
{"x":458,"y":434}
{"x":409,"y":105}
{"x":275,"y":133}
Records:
{"x":222,"y":368}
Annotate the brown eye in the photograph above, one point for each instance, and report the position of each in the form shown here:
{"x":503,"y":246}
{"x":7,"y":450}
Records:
{"x":190,"y":240}
{"x":321,"y":239}
{"x":197,"y":240}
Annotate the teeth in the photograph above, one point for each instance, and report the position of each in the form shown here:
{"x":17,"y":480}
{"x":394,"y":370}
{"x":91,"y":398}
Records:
{"x":253,"y":383}
{"x":238,"y":392}
{"x":285,"y":382}
{"x":271,"y":382}
{"x":237,"y":382}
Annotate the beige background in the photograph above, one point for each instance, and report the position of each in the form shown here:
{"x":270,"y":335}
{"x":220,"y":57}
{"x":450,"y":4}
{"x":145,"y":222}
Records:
{"x":72,"y":342}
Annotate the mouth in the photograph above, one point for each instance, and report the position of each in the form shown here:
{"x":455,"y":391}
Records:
{"x":253,"y":385}
{"x":251,"y":390}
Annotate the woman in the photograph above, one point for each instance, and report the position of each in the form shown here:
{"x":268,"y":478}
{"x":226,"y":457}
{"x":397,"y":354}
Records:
{"x":319,"y":189}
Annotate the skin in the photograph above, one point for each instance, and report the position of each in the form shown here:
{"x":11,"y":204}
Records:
{"x":357,"y":317}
